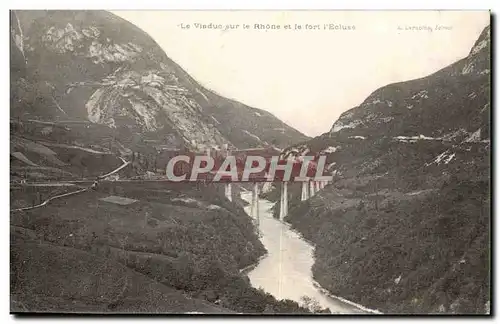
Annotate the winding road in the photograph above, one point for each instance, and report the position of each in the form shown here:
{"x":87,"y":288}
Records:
{"x":125,"y":163}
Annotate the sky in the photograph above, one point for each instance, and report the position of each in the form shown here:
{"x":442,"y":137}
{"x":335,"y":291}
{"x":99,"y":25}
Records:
{"x":307,"y":77}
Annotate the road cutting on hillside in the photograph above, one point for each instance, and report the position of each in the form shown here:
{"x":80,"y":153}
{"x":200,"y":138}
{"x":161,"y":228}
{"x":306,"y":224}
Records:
{"x":125,"y":163}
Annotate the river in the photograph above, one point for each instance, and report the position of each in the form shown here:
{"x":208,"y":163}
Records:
{"x":285,"y":272}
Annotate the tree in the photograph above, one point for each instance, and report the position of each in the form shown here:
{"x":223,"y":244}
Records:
{"x":269,"y":309}
{"x":311,"y":304}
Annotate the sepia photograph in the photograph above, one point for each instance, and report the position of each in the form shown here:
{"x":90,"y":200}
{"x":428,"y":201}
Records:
{"x":264,"y":162}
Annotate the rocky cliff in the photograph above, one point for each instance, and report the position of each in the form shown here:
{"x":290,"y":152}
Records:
{"x":405,"y":225}
{"x":88,"y":92}
{"x":96,"y":67}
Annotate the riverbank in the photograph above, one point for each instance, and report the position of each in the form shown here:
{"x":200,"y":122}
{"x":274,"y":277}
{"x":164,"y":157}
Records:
{"x":384,"y":255}
{"x":329,"y":294}
{"x":247,"y":269}
{"x":171,"y":236}
{"x":322,"y":289}
{"x":285,"y":271}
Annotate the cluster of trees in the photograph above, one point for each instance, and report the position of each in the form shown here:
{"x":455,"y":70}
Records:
{"x":205,"y":262}
{"x":196,"y":251}
{"x":417,"y":255}
{"x":146,"y":162}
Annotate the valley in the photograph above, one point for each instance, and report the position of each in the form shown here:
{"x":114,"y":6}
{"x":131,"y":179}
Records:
{"x":405,"y":225}
{"x":98,"y":110}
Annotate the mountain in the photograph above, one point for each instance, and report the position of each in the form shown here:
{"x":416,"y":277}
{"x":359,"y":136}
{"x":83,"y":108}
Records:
{"x":404,"y":227}
{"x":88,"y":87}
{"x":90,"y":94}
{"x":95,"y":67}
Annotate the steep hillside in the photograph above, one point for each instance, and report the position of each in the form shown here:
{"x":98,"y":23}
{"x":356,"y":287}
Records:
{"x":405,"y":225}
{"x":96,"y":67}
{"x":90,"y":92}
{"x":168,"y":249}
